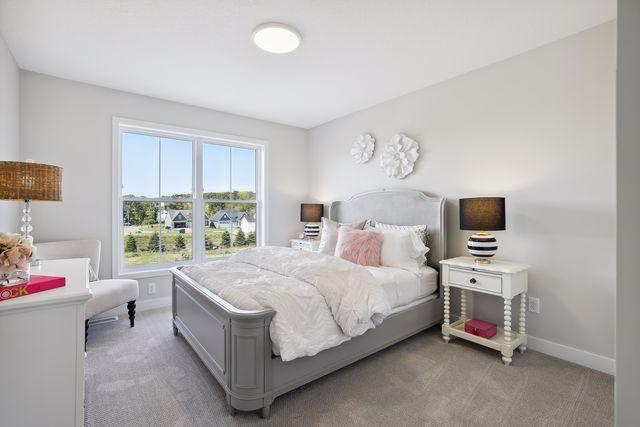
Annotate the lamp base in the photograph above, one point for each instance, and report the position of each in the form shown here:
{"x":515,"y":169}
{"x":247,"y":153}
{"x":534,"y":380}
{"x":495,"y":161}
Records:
{"x":311,"y":231}
{"x":26,"y":227}
{"x":482,"y":246}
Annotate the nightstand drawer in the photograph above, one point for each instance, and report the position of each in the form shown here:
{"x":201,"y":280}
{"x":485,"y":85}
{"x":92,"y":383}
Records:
{"x":305,"y":245}
{"x":475,"y":280}
{"x":299,"y":245}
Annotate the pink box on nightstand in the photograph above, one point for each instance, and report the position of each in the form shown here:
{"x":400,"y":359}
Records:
{"x":480,"y":328}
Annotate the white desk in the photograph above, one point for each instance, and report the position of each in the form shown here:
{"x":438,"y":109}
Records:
{"x":42,"y":350}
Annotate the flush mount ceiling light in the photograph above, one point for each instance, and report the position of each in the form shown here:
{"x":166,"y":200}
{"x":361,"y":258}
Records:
{"x":276,"y":38}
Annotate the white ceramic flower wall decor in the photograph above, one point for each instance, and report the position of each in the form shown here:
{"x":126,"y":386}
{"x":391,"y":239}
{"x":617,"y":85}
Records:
{"x":363,"y":147}
{"x":399,"y":156}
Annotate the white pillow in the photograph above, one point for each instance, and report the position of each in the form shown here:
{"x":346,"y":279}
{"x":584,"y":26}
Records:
{"x":402,"y":249}
{"x":420,"y":230}
{"x":329,"y":234}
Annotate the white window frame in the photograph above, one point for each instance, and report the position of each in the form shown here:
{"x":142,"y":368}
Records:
{"x":198,"y":137}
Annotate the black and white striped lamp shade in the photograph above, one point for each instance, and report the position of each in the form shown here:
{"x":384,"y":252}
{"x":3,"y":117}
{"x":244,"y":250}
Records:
{"x":482,"y":245}
{"x":311,"y":231}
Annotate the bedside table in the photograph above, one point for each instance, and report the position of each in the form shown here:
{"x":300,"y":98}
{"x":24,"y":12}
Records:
{"x":500,"y":278}
{"x":305,"y":244}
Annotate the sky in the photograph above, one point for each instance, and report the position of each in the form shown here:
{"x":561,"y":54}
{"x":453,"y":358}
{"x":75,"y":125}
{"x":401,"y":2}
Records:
{"x":153,"y":165}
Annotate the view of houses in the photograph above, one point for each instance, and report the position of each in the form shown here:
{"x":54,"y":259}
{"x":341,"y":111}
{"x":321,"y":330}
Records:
{"x":161,"y":233}
{"x":224,"y":219}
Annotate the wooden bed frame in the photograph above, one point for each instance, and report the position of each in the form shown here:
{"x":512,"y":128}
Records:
{"x":235,"y":345}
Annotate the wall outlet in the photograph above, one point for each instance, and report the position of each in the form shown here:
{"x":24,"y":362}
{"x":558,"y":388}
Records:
{"x":534,"y":305}
{"x":151,"y":288}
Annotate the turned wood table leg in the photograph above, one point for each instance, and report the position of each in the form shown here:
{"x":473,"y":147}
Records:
{"x":445,"y":332}
{"x":463,"y":304}
{"x":507,"y":351}
{"x":522,"y":323}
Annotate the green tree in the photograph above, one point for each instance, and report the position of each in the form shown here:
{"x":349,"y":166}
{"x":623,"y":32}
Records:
{"x":225,"y":239}
{"x":208,"y":244}
{"x":140,"y":213}
{"x":251,"y":238}
{"x":241,"y":239}
{"x":130,"y":244}
{"x":178,"y":205}
{"x":180,"y":243}
{"x":154,"y":243}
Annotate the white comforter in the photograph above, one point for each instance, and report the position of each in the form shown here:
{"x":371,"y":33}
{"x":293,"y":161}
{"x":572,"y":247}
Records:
{"x":320,"y":301}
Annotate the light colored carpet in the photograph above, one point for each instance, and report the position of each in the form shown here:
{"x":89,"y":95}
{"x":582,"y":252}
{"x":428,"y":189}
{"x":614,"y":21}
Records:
{"x":147,"y":377}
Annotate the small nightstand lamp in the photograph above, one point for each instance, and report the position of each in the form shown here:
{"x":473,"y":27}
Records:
{"x":311,"y":213}
{"x":482,"y":214}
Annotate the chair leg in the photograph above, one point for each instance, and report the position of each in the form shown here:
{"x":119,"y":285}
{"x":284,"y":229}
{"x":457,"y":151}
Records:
{"x":86,"y":333}
{"x":131,"y":307}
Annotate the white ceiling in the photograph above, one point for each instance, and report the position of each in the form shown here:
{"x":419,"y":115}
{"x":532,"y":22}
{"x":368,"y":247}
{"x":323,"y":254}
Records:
{"x":354,"y":53}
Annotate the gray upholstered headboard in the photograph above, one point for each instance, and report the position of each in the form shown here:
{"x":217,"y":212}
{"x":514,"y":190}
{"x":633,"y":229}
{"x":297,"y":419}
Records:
{"x":399,"y":207}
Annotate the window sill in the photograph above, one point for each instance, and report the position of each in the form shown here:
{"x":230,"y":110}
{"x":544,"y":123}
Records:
{"x":145,"y":274}
{"x":160,"y":271}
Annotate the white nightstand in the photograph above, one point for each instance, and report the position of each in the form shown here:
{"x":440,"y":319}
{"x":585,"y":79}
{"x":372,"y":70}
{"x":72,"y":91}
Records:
{"x":305,"y":244}
{"x":500,"y":278}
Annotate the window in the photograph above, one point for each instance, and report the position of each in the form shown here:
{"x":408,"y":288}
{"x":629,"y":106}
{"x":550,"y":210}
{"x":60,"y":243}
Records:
{"x":183,"y":196}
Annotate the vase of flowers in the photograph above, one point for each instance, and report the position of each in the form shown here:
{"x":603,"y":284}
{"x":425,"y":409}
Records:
{"x":16,"y":254}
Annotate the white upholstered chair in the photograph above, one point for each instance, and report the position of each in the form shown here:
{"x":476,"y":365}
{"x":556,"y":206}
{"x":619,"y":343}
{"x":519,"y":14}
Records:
{"x":107,"y":293}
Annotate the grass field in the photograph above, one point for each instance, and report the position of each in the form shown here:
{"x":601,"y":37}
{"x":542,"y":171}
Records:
{"x":170,"y":251}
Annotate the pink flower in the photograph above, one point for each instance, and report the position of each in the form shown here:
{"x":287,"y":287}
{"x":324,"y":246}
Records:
{"x":15,"y":253}
{"x":9,"y":240}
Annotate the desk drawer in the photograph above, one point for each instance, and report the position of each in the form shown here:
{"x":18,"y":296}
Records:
{"x":475,"y":280}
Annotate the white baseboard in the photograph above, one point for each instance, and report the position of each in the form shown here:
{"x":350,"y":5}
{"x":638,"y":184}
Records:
{"x":574,"y":355}
{"x":147,"y":304}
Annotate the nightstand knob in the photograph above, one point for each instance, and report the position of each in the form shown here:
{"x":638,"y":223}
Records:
{"x":472,"y":281}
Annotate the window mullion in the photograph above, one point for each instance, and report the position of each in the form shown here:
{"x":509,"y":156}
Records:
{"x":230,"y":174}
{"x":197,"y":233}
{"x":160,"y":205}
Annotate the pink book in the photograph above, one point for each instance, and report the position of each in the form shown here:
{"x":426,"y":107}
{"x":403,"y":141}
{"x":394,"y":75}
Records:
{"x":34,"y":285}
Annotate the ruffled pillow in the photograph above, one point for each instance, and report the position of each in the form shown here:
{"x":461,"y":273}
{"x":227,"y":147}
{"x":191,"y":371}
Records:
{"x":419,"y":230}
{"x":359,"y":246}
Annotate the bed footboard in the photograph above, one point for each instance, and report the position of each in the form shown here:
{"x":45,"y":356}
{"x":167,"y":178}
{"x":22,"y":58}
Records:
{"x":233,"y":344}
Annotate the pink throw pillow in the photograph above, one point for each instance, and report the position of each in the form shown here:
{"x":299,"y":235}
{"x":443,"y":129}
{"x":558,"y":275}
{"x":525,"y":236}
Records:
{"x":359,"y":246}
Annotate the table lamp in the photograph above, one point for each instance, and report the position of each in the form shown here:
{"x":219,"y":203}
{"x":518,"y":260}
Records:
{"x":29,"y":181}
{"x":482,"y":214}
{"x":311,"y":213}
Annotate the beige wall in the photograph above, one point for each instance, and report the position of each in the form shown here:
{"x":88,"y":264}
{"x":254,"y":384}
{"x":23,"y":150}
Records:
{"x":69,"y":124}
{"x":9,"y":128}
{"x":538,"y":128}
{"x":628,"y":295}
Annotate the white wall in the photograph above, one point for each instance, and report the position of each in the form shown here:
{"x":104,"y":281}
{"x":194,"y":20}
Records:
{"x":628,"y":296}
{"x":538,"y":128}
{"x":69,"y":124}
{"x":9,"y":128}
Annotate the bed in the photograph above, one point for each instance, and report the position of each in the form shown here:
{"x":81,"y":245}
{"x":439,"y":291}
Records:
{"x":235,"y":345}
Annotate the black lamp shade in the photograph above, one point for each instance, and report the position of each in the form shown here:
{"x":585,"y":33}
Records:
{"x":311,"y":212}
{"x":482,"y":214}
